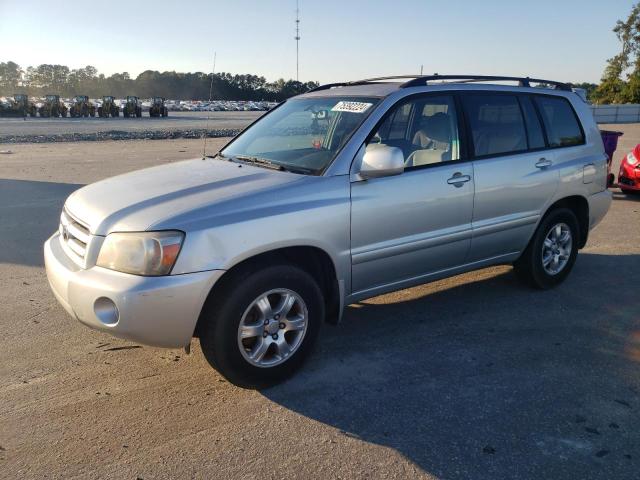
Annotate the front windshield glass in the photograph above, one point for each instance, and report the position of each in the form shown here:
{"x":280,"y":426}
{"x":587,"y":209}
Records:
{"x":304,"y":134}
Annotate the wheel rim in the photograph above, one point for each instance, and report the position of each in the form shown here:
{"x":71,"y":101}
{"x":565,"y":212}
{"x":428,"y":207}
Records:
{"x":556,"y":248}
{"x":272,"y":327}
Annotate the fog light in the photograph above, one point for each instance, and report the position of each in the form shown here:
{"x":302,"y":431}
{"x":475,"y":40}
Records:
{"x":106,"y":311}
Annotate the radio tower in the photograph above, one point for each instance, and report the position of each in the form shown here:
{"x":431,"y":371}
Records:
{"x":297,"y":37}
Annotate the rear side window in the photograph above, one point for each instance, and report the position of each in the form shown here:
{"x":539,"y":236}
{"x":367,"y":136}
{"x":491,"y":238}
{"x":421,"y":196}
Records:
{"x":496,"y":123}
{"x":534,"y":129}
{"x":560,"y":121}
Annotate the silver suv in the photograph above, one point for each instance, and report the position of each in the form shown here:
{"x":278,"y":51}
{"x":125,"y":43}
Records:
{"x":343,"y":193}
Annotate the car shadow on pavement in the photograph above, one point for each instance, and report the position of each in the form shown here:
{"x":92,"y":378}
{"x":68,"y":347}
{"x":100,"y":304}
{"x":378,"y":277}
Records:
{"x":29,"y":213}
{"x":482,"y":377}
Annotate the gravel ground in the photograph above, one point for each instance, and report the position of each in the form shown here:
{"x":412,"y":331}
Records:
{"x":176,"y":125}
{"x":475,"y":376}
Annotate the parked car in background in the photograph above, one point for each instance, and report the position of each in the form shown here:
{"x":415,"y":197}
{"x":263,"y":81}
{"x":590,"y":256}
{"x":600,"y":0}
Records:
{"x":346,"y":192}
{"x":629,"y":174}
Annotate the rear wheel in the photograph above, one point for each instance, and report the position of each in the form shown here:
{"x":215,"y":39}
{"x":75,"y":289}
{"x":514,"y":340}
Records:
{"x":259,"y":329}
{"x":552,"y":252}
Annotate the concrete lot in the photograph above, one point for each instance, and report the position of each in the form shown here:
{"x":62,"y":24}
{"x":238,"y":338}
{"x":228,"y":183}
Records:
{"x":471,"y":377}
{"x":176,"y":121}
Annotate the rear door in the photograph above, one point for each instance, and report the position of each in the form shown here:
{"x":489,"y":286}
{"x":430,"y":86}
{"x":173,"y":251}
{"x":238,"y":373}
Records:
{"x":515,"y":175}
{"x":407,"y":226}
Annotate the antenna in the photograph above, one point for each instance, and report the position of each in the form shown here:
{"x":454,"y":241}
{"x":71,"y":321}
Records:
{"x":297,"y":38}
{"x":421,"y":67}
{"x":206,"y":130}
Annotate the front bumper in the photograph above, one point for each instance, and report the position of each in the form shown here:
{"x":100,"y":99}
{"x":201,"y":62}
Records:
{"x":629,"y":177}
{"x":159,"y":311}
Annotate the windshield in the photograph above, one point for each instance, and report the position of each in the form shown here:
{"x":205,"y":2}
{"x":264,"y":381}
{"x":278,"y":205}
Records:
{"x":303,"y":134}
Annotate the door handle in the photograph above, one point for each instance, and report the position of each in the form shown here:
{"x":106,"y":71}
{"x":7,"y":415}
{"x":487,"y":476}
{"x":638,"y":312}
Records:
{"x":458,"y":179}
{"x":543,"y":163}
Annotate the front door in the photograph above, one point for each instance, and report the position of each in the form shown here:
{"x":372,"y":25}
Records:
{"x":407,"y":226}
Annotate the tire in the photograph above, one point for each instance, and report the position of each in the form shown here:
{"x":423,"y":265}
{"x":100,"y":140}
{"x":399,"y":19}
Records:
{"x":221,"y":318}
{"x":100,"y":111}
{"x":530,"y":267}
{"x":139,"y":112}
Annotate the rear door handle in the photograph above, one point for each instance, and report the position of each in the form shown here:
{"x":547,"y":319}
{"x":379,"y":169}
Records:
{"x":458,"y":179}
{"x":544,"y":163}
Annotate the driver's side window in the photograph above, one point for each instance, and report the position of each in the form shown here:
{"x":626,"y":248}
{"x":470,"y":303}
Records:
{"x":424,"y":128}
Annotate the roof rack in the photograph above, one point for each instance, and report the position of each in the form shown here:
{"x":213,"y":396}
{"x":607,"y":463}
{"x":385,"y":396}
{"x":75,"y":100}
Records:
{"x":418,"y":80}
{"x":362,"y":82}
{"x":522,"y":81}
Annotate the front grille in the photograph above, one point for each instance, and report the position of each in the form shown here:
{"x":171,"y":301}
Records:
{"x":74,"y":235}
{"x":625,"y":181}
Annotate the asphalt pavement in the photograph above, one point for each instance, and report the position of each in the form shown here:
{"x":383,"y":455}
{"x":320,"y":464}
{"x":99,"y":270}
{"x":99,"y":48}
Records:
{"x":472,"y":377}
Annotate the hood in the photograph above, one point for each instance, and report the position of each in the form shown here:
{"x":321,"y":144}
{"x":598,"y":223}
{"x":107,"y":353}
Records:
{"x":138,"y":200}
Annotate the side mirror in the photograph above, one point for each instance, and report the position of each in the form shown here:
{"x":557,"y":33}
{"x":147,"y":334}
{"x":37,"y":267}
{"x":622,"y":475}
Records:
{"x":381,"y":161}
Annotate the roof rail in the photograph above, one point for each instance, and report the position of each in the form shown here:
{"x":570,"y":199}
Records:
{"x":362,"y":82}
{"x":418,"y":80}
{"x":522,"y":81}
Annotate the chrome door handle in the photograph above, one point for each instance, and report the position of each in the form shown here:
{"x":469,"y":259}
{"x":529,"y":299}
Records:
{"x":544,"y":163}
{"x":458,"y":179}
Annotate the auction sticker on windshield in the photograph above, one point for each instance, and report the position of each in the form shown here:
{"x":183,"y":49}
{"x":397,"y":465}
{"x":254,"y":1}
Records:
{"x":353,"y":107}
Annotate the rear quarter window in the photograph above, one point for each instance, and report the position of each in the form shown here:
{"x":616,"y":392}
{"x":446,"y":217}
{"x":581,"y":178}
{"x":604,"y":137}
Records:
{"x":560,"y":121}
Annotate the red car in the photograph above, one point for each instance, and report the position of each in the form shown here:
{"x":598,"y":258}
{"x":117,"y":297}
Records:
{"x":629,"y":175}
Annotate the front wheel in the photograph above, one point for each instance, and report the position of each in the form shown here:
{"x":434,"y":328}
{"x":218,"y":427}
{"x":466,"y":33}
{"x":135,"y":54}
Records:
{"x":552,"y":252}
{"x":259,"y":328}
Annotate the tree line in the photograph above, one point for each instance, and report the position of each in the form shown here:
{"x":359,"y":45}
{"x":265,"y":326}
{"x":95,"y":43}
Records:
{"x":61,"y":80}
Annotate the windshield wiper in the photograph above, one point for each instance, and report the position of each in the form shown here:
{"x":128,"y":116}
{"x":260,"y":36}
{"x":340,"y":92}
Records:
{"x":261,"y":162}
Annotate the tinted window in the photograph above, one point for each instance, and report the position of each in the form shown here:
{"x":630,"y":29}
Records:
{"x":560,"y":122}
{"x":496,"y":123}
{"x":424,"y":128}
{"x":534,"y":129}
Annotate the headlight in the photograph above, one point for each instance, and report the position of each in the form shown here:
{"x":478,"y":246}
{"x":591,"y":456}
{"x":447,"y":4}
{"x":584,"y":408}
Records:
{"x":141,"y":253}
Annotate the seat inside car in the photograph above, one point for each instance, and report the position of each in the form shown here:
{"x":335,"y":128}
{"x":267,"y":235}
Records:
{"x":432,"y":141}
{"x":489,"y":139}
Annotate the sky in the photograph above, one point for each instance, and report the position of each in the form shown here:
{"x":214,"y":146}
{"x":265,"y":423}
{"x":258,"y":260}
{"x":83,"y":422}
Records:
{"x":567,"y":40}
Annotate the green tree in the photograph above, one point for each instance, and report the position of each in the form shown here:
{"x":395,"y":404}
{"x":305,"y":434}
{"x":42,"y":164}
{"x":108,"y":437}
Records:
{"x":10,"y":76}
{"x":613,"y":88}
